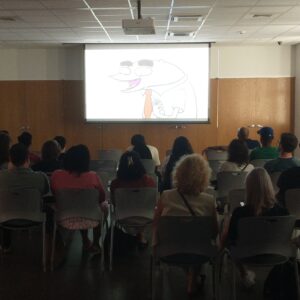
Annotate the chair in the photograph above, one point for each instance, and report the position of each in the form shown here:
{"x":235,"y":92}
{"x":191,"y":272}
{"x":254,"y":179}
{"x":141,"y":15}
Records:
{"x":236,"y":198}
{"x":149,"y":165}
{"x":132,"y":208}
{"x":103,"y":165}
{"x":215,"y":167}
{"x":214,"y":154}
{"x":274,"y":178}
{"x":184,"y":242}
{"x":22,"y":209}
{"x":228,"y":181}
{"x":110,"y":154}
{"x":292,"y":203}
{"x":259,"y":163}
{"x":78,"y":203}
{"x":263,"y":241}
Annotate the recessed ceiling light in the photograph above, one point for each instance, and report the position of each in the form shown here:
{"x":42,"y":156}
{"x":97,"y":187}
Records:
{"x":187,"y":18}
{"x":262,"y":16}
{"x":182,"y":34}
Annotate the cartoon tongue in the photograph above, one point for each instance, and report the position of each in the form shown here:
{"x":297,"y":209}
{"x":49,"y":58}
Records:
{"x":133,"y":83}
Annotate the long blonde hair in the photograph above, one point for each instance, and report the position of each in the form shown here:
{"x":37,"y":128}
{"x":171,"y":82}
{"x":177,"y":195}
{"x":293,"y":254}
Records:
{"x":259,"y":190}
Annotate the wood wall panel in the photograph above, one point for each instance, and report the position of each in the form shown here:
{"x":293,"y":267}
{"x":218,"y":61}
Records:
{"x":49,"y":108}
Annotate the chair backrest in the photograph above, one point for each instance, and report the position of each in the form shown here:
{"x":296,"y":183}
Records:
{"x":135,"y":202}
{"x":292,"y":202}
{"x":267,"y":235}
{"x":215,"y":167}
{"x":236,"y":198}
{"x":77,"y":203}
{"x":185,"y":235}
{"x":110,"y":154}
{"x":213,"y":154}
{"x":21,"y":204}
{"x":149,"y":165}
{"x":228,"y":181}
{"x":259,"y":162}
{"x":274,"y":178}
{"x":103,"y":165}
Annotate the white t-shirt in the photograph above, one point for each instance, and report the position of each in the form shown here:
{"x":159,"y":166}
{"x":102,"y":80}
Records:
{"x":154,"y":153}
{"x":233,"y":167}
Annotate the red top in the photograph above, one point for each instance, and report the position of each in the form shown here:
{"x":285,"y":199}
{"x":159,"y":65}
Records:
{"x":145,"y":181}
{"x":62,"y":179}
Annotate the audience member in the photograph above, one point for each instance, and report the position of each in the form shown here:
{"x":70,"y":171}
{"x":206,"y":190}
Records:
{"x":131,"y":174}
{"x":180,"y":147}
{"x":238,"y":158}
{"x":4,"y":150}
{"x":138,"y":140}
{"x":260,"y":201}
{"x":243,"y":135}
{"x":266,"y":151}
{"x":61,"y":140}
{"x":77,"y":176}
{"x":288,"y":143}
{"x":20,"y":176}
{"x":191,"y":177}
{"x":26,"y":139}
{"x":49,"y":162}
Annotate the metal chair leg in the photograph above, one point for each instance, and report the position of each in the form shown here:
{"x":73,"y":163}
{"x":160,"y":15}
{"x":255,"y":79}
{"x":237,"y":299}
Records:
{"x":44,"y":247}
{"x":53,"y":246}
{"x":112,"y":228}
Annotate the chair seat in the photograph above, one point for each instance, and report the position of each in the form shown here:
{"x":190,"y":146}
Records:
{"x":19,"y":223}
{"x":265,"y":260}
{"x":135,"y":222}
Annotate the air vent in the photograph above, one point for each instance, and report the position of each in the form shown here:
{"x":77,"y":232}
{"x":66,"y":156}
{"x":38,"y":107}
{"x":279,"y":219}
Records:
{"x":262,"y":16}
{"x":181,"y":34}
{"x":8,"y":19}
{"x":187,"y":18}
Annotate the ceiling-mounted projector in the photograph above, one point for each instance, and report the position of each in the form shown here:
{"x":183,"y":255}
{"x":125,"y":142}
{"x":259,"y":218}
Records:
{"x":138,"y":26}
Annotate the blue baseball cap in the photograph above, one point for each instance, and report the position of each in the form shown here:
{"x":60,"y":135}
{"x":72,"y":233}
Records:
{"x":266,"y":132}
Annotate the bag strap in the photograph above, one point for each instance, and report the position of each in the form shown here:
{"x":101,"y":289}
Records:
{"x":245,"y":167}
{"x":187,"y":204}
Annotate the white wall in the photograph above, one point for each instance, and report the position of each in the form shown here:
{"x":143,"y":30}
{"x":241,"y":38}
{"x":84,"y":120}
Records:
{"x":68,"y":62}
{"x":252,"y":61}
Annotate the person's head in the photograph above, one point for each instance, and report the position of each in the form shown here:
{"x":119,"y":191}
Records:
{"x":243,"y":133}
{"x":238,"y":152}
{"x":50,"y":150}
{"x":288,"y":142}
{"x":266,"y":136}
{"x":130,"y":166}
{"x":77,"y":159}
{"x":19,"y":156}
{"x":181,"y":147}
{"x":191,"y":174}
{"x":4,"y":148}
{"x":25,"y":138}
{"x":138,"y":140}
{"x":259,"y":190}
{"x":61,"y":141}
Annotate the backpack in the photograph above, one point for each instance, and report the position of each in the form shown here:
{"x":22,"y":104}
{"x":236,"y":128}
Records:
{"x":280,"y":283}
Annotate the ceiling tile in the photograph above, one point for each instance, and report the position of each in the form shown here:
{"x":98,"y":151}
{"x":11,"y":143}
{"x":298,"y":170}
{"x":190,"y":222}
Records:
{"x":21,"y":4}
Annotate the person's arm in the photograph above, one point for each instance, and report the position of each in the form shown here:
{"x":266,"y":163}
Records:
{"x":157,"y":214}
{"x":44,"y":186}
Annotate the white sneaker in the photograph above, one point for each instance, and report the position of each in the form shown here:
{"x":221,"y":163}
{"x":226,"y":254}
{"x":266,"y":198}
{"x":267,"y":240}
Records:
{"x":249,"y":279}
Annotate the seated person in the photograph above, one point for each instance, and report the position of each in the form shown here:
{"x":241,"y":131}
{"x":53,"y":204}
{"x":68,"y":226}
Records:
{"x":26,"y":139}
{"x":49,"y":162}
{"x":181,"y":147}
{"x":4,"y":150}
{"x":288,"y":143}
{"x":266,"y":151}
{"x":190,"y":177}
{"x":20,"y":176}
{"x":77,"y":176}
{"x":62,"y":145}
{"x":136,"y":141}
{"x":131,"y":174}
{"x":260,"y":201}
{"x":289,"y":179}
{"x":243,"y":135}
{"x":238,"y":158}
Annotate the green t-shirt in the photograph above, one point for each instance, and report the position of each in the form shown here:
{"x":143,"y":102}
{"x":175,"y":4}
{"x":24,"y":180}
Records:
{"x":281,"y":164}
{"x":264,"y":153}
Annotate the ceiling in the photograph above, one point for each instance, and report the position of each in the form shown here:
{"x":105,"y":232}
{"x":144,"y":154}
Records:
{"x":99,"y":21}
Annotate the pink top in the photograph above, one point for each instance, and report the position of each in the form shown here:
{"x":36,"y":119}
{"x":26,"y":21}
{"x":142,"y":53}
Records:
{"x":62,"y":179}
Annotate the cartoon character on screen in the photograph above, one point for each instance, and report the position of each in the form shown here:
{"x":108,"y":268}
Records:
{"x":164,"y":87}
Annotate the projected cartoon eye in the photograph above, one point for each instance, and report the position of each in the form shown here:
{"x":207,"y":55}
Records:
{"x":143,"y":71}
{"x":125,"y":70}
